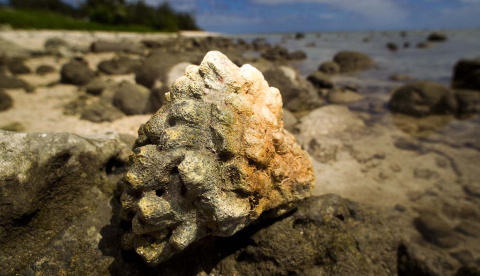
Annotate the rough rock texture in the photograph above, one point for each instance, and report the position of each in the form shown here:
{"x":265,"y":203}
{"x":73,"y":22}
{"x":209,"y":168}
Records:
{"x":52,"y":186}
{"x":5,"y":100}
{"x":353,"y":61}
{"x":423,"y":98}
{"x":298,"y":94}
{"x":211,"y":161}
{"x":76,"y":72}
{"x":327,"y":235}
{"x":466,"y":74}
{"x":119,"y":65}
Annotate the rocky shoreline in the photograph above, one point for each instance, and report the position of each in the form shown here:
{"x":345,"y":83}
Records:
{"x":409,"y":159}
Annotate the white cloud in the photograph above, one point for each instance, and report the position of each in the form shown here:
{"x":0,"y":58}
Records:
{"x":386,"y":11}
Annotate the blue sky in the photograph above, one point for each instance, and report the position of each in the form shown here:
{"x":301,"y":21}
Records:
{"x":260,"y":16}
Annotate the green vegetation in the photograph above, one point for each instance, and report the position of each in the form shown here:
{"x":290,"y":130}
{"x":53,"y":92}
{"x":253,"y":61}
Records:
{"x":108,"y":15}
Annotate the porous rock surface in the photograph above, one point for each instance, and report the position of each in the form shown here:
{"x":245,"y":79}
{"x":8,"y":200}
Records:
{"x":211,"y":161}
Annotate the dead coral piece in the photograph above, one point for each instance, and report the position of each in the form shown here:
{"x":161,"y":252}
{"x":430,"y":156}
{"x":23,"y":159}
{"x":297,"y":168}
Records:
{"x":211,"y":161}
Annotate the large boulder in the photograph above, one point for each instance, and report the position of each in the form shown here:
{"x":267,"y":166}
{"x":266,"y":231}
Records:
{"x":119,"y":65}
{"x":6,"y":102}
{"x":54,"y":193}
{"x":423,"y":98}
{"x":76,"y":72}
{"x":466,"y":74}
{"x":353,"y":61}
{"x":132,"y":99}
{"x":297,"y":93}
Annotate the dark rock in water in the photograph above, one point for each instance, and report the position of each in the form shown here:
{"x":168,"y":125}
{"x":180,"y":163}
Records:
{"x":311,"y":45}
{"x":44,"y":69}
{"x":11,"y":82}
{"x":119,"y":66}
{"x":422,"y":99}
{"x":320,"y":80}
{"x":76,"y":72}
{"x":96,"y":86}
{"x":329,"y":67}
{"x":6,"y":102}
{"x":403,"y":34}
{"x":468,"y":101}
{"x":353,"y":61}
{"x":466,"y":74}
{"x":343,"y":96}
{"x":424,"y":45}
{"x":406,"y":44}
{"x":132,"y":99}
{"x":278,"y":53}
{"x":298,"y":94}
{"x":113,"y":46}
{"x":297,"y":55}
{"x":55,"y":192}
{"x":392,"y":46}
{"x":437,"y":37}
{"x":299,"y":35}
{"x":414,"y":259}
{"x":101,"y":111}
{"x":401,"y":78}
{"x":436,"y":230}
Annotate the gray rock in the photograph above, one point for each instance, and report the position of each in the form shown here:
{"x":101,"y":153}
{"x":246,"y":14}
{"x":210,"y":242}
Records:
{"x":6,"y":102}
{"x":327,"y":235}
{"x":436,"y":230}
{"x":320,"y":80}
{"x":422,"y":99}
{"x":468,"y":101}
{"x":353,"y":61}
{"x":113,"y":46}
{"x":329,"y":67}
{"x":392,"y":46}
{"x":289,"y":120}
{"x":343,"y":96}
{"x":76,"y":72}
{"x":424,"y":45}
{"x":437,"y":37}
{"x":101,"y":111}
{"x":119,"y":65}
{"x":44,"y":69}
{"x":55,"y":189}
{"x":466,"y":74}
{"x":132,"y":99}
{"x":11,"y":82}
{"x":96,"y":86}
{"x":297,"y":93}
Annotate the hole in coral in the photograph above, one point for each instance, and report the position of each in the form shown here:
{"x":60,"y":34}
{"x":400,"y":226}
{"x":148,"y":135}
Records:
{"x":340,"y":217}
{"x":183,"y":190}
{"x":160,"y":192}
{"x":172,"y":121}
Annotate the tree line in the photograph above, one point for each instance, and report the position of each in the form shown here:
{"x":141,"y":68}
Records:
{"x":117,"y":12}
